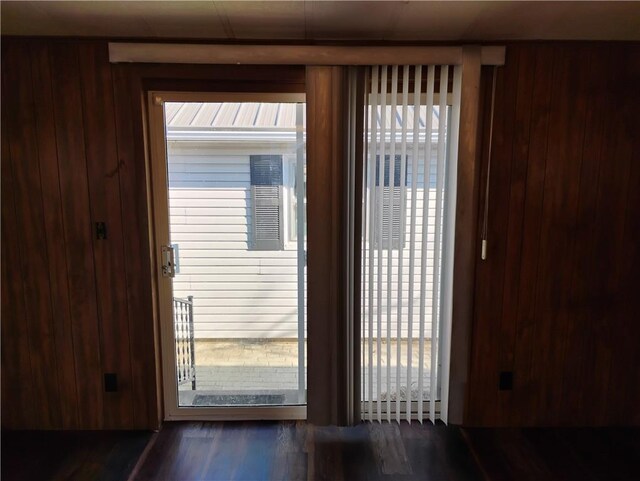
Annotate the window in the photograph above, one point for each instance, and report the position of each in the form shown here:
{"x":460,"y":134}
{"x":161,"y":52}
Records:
{"x":266,"y":196}
{"x":390,"y":205}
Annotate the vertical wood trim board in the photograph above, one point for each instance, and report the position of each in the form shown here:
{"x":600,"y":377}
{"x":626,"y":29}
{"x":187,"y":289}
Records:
{"x":326,"y":210}
{"x":466,"y":243}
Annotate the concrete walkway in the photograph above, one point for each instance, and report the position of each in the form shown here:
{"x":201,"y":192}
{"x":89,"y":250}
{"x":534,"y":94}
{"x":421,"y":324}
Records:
{"x":233,"y":366}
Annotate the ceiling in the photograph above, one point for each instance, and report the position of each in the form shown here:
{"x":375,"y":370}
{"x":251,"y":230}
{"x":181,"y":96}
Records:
{"x":326,"y":20}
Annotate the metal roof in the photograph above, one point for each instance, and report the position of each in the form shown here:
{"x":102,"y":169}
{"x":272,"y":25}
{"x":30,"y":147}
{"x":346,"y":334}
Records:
{"x":231,"y":115}
{"x":252,"y":115}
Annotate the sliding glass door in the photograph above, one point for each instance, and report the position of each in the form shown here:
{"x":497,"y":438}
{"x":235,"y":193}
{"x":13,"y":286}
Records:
{"x":232,"y":176}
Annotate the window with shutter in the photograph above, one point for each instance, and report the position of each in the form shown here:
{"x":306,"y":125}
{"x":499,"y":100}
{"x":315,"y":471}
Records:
{"x":266,"y":197}
{"x":388,"y":204}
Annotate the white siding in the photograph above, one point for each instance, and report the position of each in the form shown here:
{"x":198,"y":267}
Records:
{"x":237,"y":292}
{"x":419,"y":198}
{"x":241,"y":293}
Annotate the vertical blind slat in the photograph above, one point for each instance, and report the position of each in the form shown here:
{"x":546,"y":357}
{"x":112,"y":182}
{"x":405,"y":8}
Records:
{"x":372,"y":220}
{"x":380,"y":182}
{"x":390,"y":233}
{"x":417,"y":91}
{"x":444,"y":80}
{"x":403,"y":218}
{"x":365,"y":226}
{"x":425,"y":217}
{"x":448,"y":242}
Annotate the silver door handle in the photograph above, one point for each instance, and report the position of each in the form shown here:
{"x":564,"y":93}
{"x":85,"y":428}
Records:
{"x":168,"y":262}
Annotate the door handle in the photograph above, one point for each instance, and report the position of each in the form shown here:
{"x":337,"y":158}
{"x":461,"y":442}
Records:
{"x":168,"y":261}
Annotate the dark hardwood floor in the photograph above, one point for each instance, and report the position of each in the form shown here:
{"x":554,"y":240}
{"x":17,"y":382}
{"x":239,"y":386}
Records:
{"x":553,"y":454}
{"x":283,"y":451}
{"x":297,"y":451}
{"x":71,"y":455}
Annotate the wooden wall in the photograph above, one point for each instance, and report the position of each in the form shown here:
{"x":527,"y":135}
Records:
{"x":73,"y":154}
{"x":557,"y":302}
{"x":73,"y":307}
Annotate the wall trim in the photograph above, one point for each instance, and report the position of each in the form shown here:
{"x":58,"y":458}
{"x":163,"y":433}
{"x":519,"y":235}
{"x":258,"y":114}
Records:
{"x":173,"y":53}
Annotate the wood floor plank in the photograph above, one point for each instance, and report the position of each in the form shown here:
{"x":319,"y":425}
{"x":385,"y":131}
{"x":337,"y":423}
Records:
{"x":70,"y":455}
{"x":568,"y":454}
{"x":325,"y":457}
{"x":161,"y":454}
{"x":389,"y":449}
{"x":358,"y":454}
{"x":258,"y":458}
{"x":229,"y":452}
{"x":421,"y":447}
{"x":256,"y":451}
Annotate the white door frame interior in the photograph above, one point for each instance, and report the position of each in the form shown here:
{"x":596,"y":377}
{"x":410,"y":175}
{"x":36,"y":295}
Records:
{"x":164,"y":288}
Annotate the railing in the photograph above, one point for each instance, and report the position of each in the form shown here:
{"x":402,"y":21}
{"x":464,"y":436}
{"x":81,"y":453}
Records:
{"x":185,"y":352}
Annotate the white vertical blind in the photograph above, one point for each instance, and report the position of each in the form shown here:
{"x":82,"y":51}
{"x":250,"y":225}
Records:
{"x":412,"y":245}
{"x":409,"y":214}
{"x":403,"y":193}
{"x":390,"y":236}
{"x":426,"y":197}
{"x":372,"y":121}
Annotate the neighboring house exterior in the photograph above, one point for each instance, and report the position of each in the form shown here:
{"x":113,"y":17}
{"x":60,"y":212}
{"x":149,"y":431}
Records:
{"x":243,"y":286}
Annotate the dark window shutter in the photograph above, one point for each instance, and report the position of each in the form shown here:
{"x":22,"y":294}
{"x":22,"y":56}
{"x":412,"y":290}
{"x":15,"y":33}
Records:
{"x":266,"y":196}
{"x":389,"y":204}
{"x":396,"y":173}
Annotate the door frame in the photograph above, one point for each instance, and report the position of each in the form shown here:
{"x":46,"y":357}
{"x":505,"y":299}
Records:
{"x":164,"y":286}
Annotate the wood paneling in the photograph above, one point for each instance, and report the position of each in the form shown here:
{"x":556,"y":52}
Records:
{"x":54,"y":227}
{"x":135,"y":231}
{"x":556,"y":302}
{"x":78,"y":232}
{"x":550,"y":303}
{"x":101,"y":154}
{"x":17,"y":395}
{"x":61,"y":171}
{"x":73,"y":154}
{"x":31,"y":257}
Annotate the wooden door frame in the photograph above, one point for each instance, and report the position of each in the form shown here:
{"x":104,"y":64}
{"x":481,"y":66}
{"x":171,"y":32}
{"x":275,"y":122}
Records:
{"x":134,"y":81}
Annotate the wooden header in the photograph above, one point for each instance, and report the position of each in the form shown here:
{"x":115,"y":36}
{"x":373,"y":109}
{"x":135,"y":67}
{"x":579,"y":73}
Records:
{"x":295,"y":54}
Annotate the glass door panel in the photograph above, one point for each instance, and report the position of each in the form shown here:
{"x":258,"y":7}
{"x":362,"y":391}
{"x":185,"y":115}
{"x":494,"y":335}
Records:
{"x":235,"y":179}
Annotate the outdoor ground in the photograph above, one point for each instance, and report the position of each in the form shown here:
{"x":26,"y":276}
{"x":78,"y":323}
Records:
{"x":263,"y":366}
